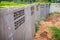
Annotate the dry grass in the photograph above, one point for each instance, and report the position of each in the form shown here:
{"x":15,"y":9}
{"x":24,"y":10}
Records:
{"x":44,"y":33}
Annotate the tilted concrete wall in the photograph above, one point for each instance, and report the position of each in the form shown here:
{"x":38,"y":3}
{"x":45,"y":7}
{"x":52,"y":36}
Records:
{"x":55,"y":7}
{"x":44,"y":9}
{"x":18,"y":23}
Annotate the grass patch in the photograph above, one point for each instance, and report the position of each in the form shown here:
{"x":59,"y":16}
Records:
{"x":55,"y":32}
{"x":54,"y":13}
{"x":5,"y":3}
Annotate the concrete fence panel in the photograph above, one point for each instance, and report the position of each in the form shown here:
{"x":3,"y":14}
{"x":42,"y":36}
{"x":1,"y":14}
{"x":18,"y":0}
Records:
{"x":18,"y":23}
{"x":55,"y":7}
{"x":44,"y":9}
{"x":6,"y":24}
{"x":30,"y":21}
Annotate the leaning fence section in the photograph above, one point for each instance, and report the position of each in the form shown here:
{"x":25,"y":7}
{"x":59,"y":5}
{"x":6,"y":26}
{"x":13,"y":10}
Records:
{"x":18,"y":23}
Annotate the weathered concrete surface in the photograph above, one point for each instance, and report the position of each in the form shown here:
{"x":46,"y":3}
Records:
{"x":55,"y":7}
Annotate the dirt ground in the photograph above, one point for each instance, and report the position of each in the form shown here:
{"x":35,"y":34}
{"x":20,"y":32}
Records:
{"x":44,"y":33}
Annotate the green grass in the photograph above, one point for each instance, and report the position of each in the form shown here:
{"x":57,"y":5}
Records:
{"x":35,"y":2}
{"x":54,"y":13}
{"x":55,"y":32}
{"x":5,"y":3}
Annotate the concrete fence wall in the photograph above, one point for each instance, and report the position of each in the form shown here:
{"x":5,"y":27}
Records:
{"x":18,"y":23}
{"x":44,"y":9}
{"x":55,"y":7}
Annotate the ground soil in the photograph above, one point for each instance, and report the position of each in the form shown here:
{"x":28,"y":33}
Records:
{"x":44,"y":33}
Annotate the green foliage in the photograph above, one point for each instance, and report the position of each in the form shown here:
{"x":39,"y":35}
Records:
{"x":37,"y":23}
{"x":5,"y":3}
{"x":18,"y":1}
{"x":36,"y":27}
{"x":55,"y":32}
{"x":40,"y":18}
{"x":54,"y":13}
{"x":55,"y":1}
{"x":35,"y":2}
{"x":43,"y":1}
